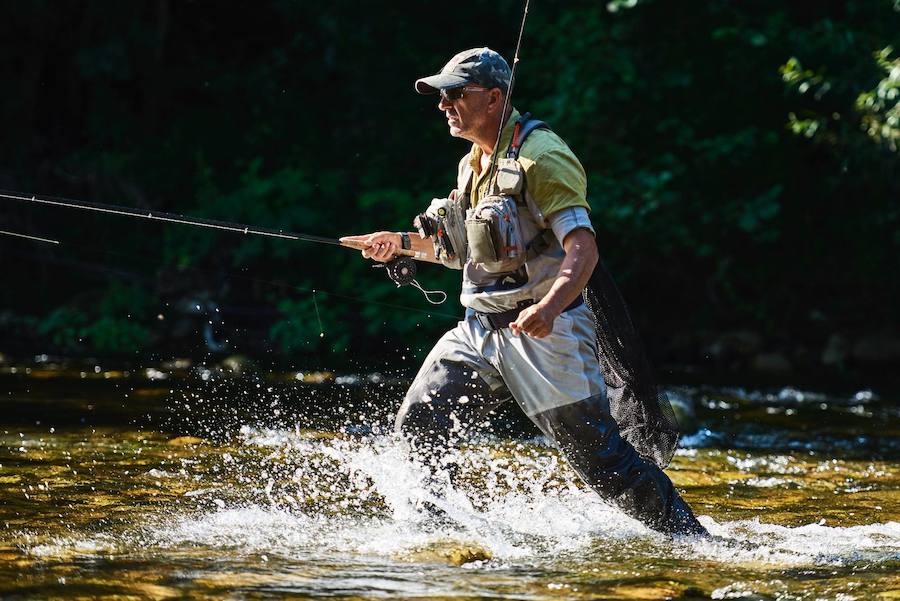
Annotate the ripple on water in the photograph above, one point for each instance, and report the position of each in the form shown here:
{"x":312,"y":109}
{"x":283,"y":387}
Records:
{"x":753,"y":541}
{"x":347,"y":512}
{"x":518,"y":504}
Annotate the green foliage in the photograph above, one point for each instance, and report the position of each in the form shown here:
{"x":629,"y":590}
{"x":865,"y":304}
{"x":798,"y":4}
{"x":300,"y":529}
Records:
{"x":741,"y":157}
{"x":880,"y":108}
{"x":115,"y":335}
{"x":64,"y":326}
{"x":311,"y":323}
{"x":111,"y":326}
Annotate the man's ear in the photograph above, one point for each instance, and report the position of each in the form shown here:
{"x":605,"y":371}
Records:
{"x":496,"y":98}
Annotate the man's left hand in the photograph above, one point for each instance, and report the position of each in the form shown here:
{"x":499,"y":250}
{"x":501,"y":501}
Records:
{"x":536,"y":320}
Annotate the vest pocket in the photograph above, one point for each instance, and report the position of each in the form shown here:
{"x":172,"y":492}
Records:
{"x":509,"y":177}
{"x":494,"y":235}
{"x":481,"y":241}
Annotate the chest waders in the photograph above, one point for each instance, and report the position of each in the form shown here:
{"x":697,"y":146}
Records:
{"x":616,"y":442}
{"x":643,"y":414}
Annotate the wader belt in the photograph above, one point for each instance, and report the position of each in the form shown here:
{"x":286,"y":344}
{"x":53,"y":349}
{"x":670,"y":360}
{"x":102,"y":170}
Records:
{"x":498,"y":321}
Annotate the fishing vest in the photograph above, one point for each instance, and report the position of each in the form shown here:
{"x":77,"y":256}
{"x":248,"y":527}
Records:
{"x":527,"y":257}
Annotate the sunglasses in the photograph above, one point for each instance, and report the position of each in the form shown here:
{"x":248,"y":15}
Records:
{"x":456,"y":93}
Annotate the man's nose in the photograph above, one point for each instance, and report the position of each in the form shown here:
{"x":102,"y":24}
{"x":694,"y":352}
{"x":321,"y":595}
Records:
{"x":443,"y":103}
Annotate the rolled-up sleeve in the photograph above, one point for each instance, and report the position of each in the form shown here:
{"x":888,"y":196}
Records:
{"x":566,"y":221}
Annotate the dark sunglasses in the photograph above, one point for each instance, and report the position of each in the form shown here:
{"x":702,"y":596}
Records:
{"x":457,"y":93}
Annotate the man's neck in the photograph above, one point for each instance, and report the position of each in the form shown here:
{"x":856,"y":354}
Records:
{"x":486,"y":143}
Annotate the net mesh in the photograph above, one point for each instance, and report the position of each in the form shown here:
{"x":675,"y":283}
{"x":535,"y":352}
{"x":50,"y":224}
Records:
{"x":643,"y":412}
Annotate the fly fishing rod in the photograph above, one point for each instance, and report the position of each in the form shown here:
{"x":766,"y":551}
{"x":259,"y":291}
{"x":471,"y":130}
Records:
{"x":401,"y":270}
{"x":27,"y":237}
{"x":509,"y":91}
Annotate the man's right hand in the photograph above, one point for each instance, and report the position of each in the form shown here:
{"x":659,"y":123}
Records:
{"x":380,"y":246}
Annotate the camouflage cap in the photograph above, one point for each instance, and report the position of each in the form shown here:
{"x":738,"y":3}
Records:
{"x":480,"y":66}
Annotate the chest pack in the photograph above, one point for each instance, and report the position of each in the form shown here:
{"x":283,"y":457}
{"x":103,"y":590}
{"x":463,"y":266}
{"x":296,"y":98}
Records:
{"x":494,"y":232}
{"x":490,"y":233}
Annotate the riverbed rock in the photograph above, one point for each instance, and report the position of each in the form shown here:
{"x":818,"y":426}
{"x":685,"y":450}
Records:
{"x":772,"y":364}
{"x":183,"y":441}
{"x":453,"y":552}
{"x":178,"y":364}
{"x":836,"y":351}
{"x":683,"y":406}
{"x":238,"y":366}
{"x":878,"y":349}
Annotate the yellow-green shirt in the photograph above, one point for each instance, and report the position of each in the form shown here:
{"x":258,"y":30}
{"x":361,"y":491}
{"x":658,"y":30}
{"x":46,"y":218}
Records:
{"x":553,"y":174}
{"x":554,"y":181}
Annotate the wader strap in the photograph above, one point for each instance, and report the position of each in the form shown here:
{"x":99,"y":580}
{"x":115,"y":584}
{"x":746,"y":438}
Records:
{"x":505,"y":283}
{"x":466,"y":191}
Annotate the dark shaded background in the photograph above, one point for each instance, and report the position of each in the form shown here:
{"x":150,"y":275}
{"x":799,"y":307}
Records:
{"x":742,"y":161}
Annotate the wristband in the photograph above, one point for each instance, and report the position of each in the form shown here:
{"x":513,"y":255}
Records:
{"x":404,"y":241}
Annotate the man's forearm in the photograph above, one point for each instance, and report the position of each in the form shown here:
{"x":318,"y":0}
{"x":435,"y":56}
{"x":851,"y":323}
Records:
{"x":575,"y":271}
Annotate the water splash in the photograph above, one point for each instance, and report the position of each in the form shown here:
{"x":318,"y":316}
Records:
{"x":312,"y":494}
{"x":343,"y":494}
{"x":342,"y":509}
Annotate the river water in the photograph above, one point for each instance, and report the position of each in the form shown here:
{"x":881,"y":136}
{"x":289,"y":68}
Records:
{"x":113,"y":485}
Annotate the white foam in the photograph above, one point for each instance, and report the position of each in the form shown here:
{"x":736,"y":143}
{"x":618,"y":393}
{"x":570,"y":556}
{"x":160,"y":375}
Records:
{"x":753,"y":541}
{"x":531,"y":504}
{"x":306,"y":495}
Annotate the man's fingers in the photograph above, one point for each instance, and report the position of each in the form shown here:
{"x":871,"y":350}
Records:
{"x":378,"y":246}
{"x":531,"y":323}
{"x":522,"y":325}
{"x":384,"y":250}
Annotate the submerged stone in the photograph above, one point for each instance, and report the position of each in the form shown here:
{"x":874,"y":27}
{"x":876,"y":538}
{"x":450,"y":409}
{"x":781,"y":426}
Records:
{"x":182,"y":441}
{"x":453,"y":552}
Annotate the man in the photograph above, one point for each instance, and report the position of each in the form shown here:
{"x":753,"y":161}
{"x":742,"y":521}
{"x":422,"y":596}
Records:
{"x":527,"y":333}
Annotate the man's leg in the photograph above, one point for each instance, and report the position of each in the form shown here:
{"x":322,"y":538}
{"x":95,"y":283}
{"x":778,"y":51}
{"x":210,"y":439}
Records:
{"x":588,"y":437}
{"x":454,"y":388}
{"x":557,"y":382}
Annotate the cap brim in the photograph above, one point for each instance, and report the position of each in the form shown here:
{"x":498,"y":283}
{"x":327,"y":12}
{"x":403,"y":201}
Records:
{"x":441,"y":81}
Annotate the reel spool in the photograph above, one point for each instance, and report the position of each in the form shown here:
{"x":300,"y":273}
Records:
{"x":401,"y":270}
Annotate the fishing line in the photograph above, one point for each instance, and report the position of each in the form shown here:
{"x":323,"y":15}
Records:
{"x":247,"y":278}
{"x":318,"y":317}
{"x":428,"y":293}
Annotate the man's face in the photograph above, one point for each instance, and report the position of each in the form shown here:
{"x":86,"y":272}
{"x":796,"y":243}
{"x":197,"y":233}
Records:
{"x":468,"y":115}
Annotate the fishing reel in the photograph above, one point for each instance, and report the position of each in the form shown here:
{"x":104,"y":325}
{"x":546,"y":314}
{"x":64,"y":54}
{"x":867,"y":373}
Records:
{"x":401,"y":270}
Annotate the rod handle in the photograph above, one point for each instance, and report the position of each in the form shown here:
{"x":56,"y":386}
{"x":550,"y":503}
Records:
{"x":362,"y":246}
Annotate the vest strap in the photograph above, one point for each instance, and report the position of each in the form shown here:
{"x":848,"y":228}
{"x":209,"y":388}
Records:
{"x":538,"y":244}
{"x":522,"y":129}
